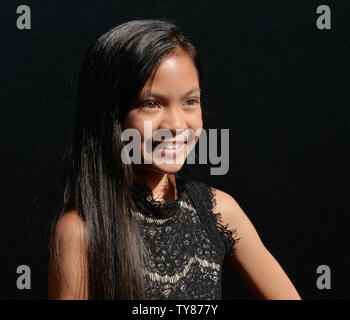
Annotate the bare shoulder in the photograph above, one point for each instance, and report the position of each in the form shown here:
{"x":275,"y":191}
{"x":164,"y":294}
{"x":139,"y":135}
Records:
{"x":70,"y":226}
{"x":230,"y":210}
{"x":69,"y":240}
{"x":233,"y":215}
{"x":224,"y":202}
{"x":68,"y":261}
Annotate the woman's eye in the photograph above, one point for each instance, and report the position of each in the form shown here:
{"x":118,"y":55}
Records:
{"x":149,"y":104}
{"x":192,"y":102}
{"x":154,"y":105}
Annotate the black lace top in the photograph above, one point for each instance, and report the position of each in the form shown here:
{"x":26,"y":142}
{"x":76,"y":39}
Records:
{"x":185,"y":240}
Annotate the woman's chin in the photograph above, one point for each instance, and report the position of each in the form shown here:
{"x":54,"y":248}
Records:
{"x":168,"y":168}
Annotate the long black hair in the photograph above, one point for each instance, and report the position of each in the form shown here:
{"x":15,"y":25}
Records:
{"x":98,"y":184}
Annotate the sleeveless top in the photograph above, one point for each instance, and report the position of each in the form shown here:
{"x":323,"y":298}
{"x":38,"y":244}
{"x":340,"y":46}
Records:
{"x":185,"y":241}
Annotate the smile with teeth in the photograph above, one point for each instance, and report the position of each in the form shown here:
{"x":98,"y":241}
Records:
{"x":170,"y":148}
{"x":169,"y":145}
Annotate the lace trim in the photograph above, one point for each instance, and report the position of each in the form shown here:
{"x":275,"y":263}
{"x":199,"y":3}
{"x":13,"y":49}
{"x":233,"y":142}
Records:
{"x":175,"y":278}
{"x":147,"y":204}
{"x":229,"y":235}
{"x":140,"y":217}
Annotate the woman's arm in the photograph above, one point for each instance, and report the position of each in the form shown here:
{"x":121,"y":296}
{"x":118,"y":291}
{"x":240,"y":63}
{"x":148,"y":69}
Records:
{"x":252,"y":261}
{"x":68,"y":271}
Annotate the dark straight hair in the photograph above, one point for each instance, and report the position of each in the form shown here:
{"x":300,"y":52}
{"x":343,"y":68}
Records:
{"x":98,"y":185}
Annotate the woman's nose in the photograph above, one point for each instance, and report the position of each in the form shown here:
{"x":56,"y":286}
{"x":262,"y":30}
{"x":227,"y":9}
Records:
{"x":174,"y":119}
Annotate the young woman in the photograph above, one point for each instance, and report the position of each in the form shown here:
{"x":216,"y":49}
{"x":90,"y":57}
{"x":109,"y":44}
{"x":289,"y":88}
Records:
{"x":144,"y":230}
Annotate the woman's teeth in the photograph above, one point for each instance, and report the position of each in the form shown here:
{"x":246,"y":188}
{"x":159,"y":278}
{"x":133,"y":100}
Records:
{"x":169,"y":145}
{"x":172,"y":145}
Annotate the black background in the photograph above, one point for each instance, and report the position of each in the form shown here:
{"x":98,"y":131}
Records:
{"x":277,"y":82}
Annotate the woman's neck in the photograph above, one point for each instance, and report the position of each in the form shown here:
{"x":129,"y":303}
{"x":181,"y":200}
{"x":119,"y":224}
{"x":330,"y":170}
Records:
{"x":163,"y":185}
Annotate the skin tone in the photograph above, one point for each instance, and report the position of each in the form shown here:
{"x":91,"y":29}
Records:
{"x":251,"y":260}
{"x":176,"y":106}
{"x":173,"y":104}
{"x":173,"y":108}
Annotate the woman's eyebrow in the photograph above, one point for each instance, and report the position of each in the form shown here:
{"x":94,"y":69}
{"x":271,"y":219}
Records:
{"x":159,"y":96}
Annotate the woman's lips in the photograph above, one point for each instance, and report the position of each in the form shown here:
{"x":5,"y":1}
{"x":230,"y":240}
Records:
{"x":169,"y":144}
{"x":171,"y":148}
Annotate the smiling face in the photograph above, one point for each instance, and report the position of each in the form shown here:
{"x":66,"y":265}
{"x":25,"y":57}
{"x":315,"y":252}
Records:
{"x":174,"y":105}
